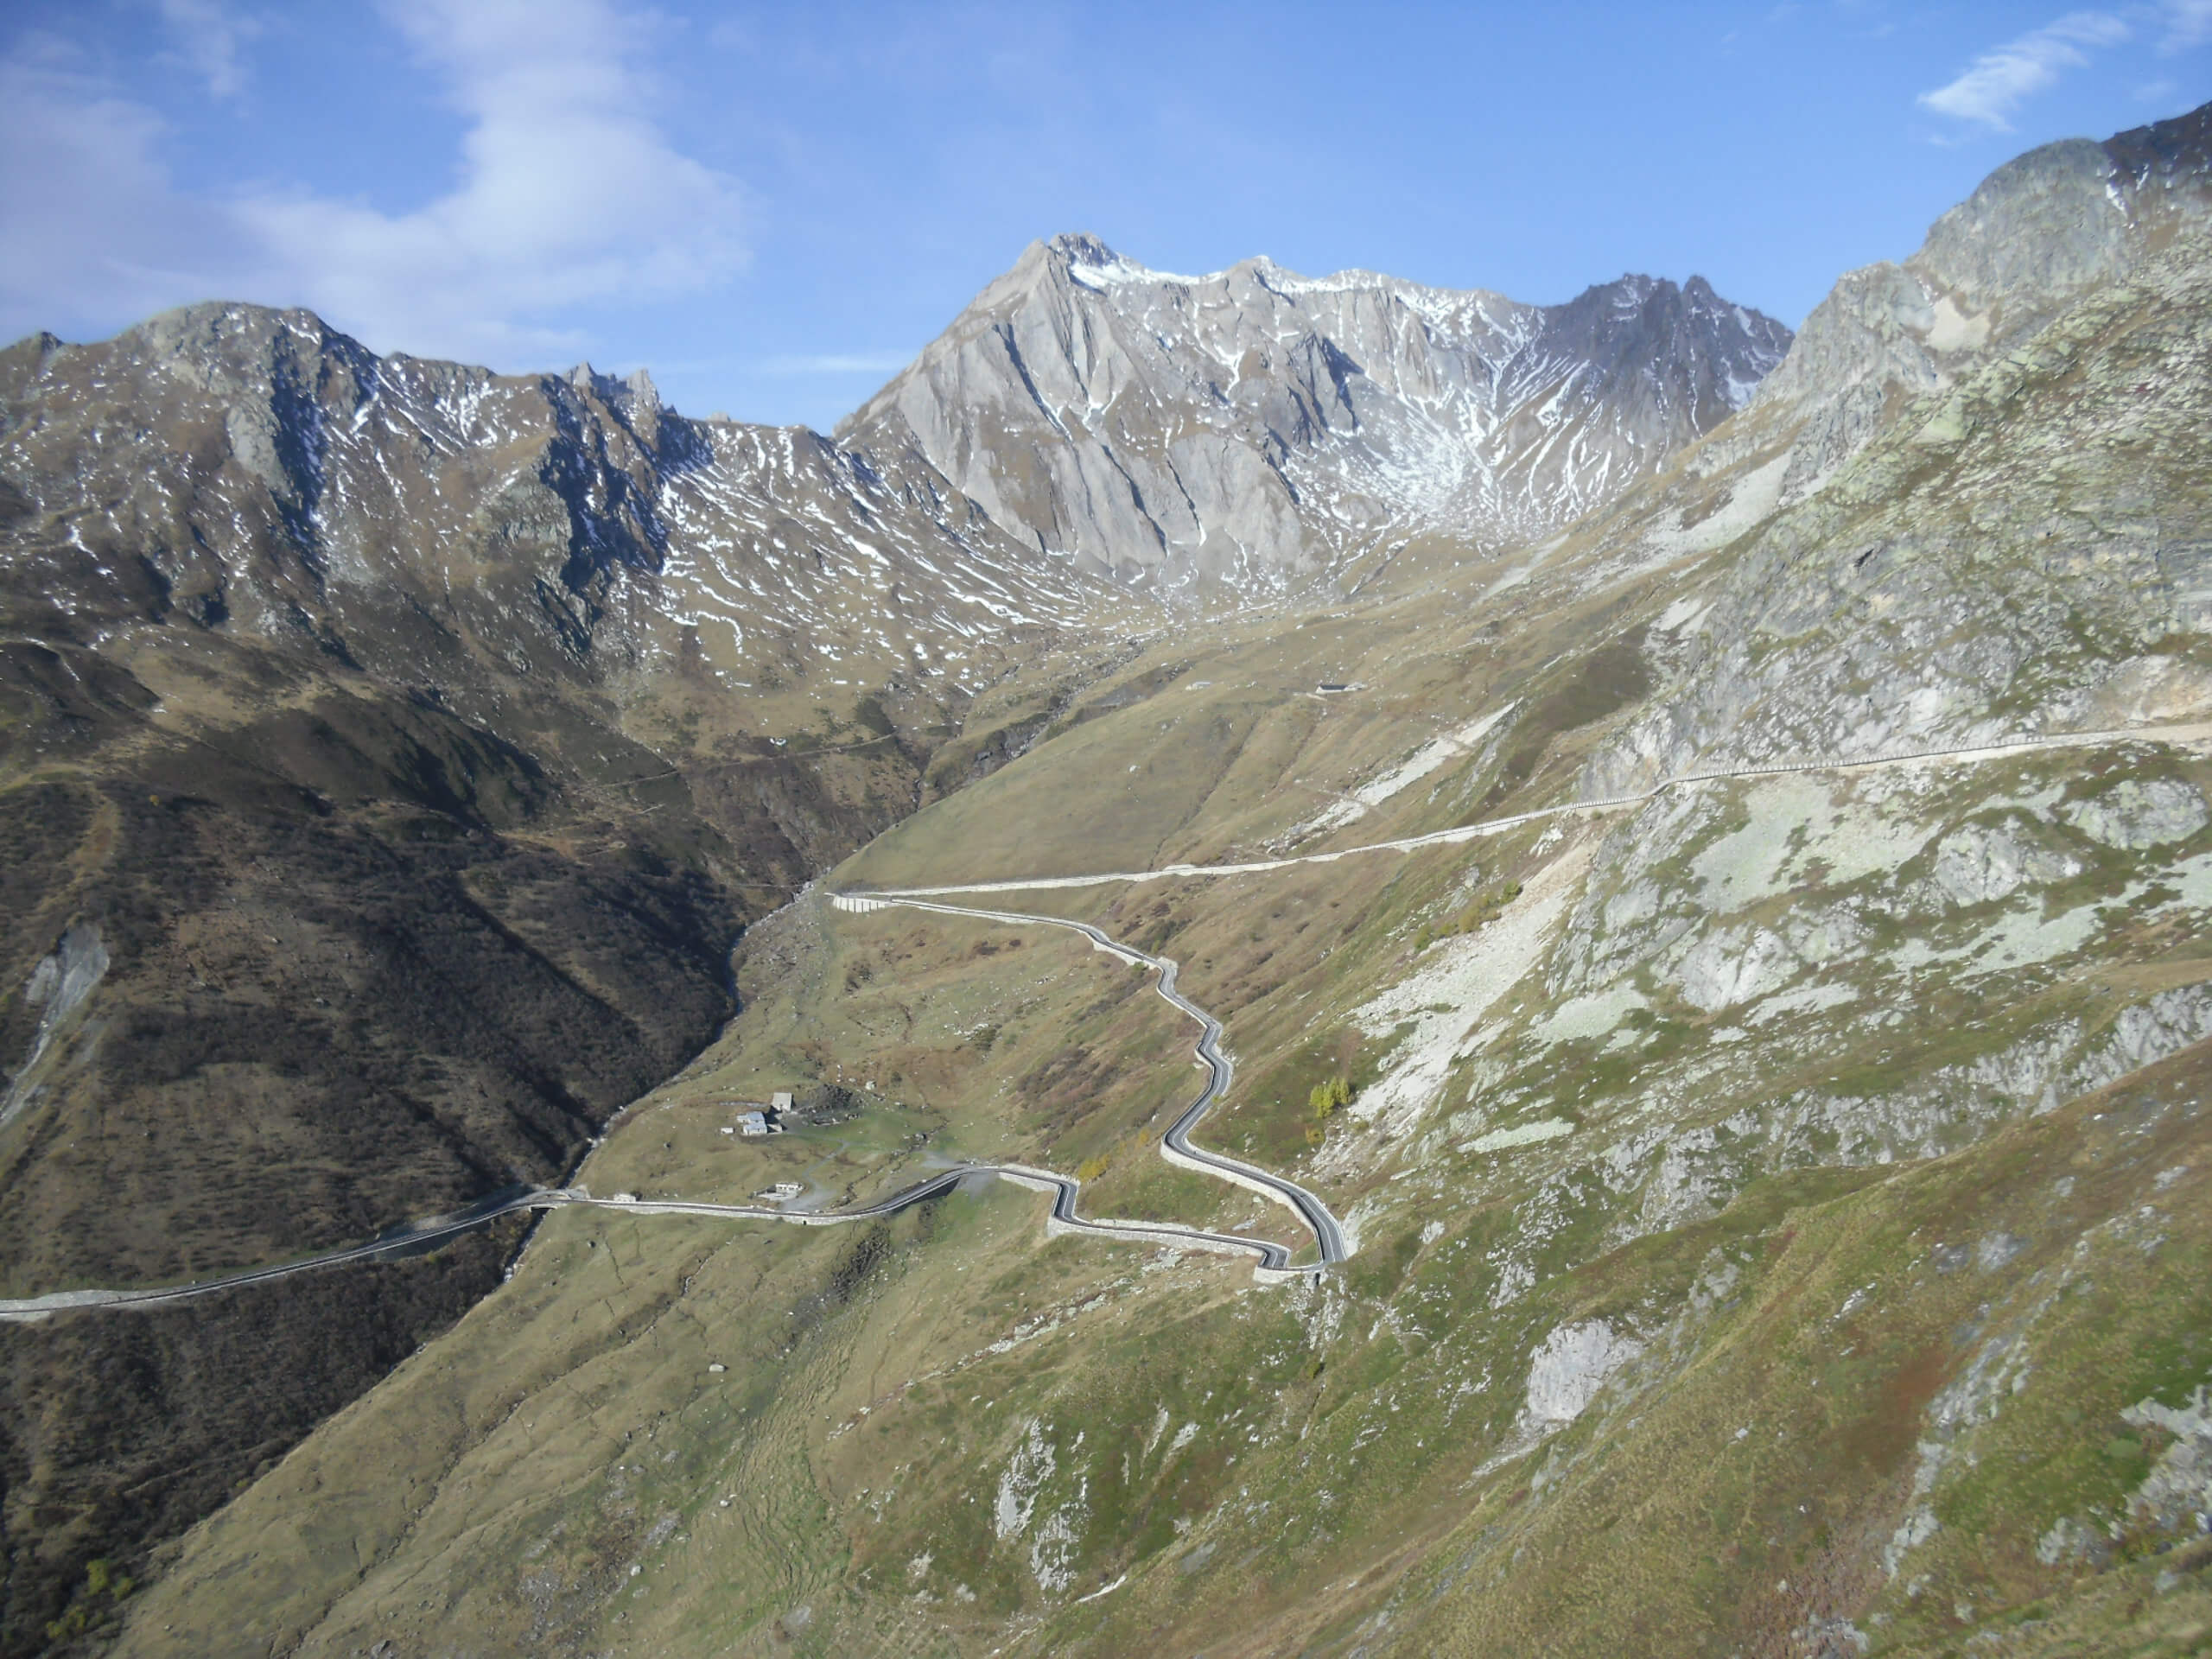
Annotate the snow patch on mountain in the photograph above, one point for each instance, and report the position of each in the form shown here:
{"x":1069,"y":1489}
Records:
{"x":1257,"y":427}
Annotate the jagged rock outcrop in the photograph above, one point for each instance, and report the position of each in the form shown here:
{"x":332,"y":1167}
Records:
{"x":1990,"y":519}
{"x":1257,"y":427}
{"x":2039,"y":233}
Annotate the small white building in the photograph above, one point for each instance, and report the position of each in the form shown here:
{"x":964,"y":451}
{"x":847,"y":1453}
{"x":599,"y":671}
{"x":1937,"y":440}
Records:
{"x":753,"y":1123}
{"x":780,"y":1100}
{"x":785,"y":1191}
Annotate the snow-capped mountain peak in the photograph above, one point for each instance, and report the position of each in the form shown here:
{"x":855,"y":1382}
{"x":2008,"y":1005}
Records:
{"x":1260,"y":427}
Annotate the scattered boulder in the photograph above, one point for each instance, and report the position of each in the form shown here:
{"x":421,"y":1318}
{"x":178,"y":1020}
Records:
{"x":1977,"y":863}
{"x":1571,"y":1365}
{"x":2134,"y":815}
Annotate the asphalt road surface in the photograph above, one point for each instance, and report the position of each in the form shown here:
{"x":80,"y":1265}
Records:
{"x":1271,"y":1261}
{"x":1969,"y":753}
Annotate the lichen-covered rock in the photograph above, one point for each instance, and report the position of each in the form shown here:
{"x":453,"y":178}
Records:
{"x":2177,"y":1495}
{"x":1733,"y":966}
{"x":1978,"y":864}
{"x":1571,"y":1365}
{"x":2135,"y":815}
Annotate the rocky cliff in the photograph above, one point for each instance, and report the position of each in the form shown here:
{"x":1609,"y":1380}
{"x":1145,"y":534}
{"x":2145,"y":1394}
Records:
{"x":1254,"y":428}
{"x":2037,"y":234}
{"x":2023,"y":357}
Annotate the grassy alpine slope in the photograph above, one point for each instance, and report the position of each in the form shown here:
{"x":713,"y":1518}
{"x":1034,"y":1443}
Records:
{"x":1781,"y":1209}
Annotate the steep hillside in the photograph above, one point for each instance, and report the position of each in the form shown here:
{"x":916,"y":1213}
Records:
{"x":1257,"y":427}
{"x":1778,"y":1196}
{"x":389,"y":754}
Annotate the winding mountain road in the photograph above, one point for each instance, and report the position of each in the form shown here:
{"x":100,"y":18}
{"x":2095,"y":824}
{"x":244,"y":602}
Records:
{"x":1272,"y":1262}
{"x":1175,"y":1145}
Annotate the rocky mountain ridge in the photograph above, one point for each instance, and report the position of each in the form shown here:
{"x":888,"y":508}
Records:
{"x":1258,"y":429}
{"x":258,"y":469}
{"x":2059,"y":256}
{"x":2037,"y":234}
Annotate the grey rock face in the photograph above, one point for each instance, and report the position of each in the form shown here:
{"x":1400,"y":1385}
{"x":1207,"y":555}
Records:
{"x":57,"y":988}
{"x":1571,"y":1366}
{"x":1257,"y":426}
{"x":63,"y":980}
{"x":1992,"y":519}
{"x":1730,"y":967}
{"x":2038,"y":234}
{"x":1978,"y":864}
{"x":2136,"y":815}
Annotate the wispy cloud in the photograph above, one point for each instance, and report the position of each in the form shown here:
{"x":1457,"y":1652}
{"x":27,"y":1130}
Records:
{"x":566,"y":191}
{"x":841,"y":363}
{"x":2189,"y":22}
{"x":1998,"y":81}
{"x":209,"y":39}
{"x":90,"y":224}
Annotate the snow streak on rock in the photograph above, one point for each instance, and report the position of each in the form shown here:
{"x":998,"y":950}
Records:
{"x":1256,"y":427}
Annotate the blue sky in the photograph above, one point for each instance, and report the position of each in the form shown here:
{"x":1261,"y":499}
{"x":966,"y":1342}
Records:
{"x":773,"y":207}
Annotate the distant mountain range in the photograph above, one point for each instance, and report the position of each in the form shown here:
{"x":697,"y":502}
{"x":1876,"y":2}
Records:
{"x":1085,"y":421}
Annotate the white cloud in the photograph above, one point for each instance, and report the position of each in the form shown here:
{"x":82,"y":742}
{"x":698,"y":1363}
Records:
{"x":91,"y":228}
{"x":209,"y":39}
{"x":841,"y":363}
{"x":1998,"y":81}
{"x":566,"y":191}
{"x":2189,"y":22}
